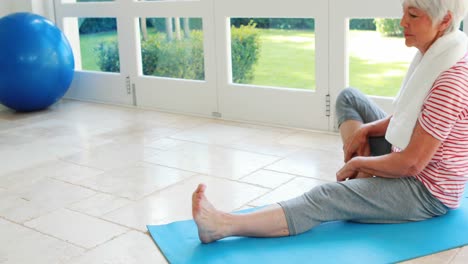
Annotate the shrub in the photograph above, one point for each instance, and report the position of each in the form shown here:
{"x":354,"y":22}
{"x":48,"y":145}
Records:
{"x":389,"y":27}
{"x":362,"y":24}
{"x":185,"y":58}
{"x":108,"y":56}
{"x":159,"y":23}
{"x":182,"y":58}
{"x":96,"y":25}
{"x":245,"y":50}
{"x":278,"y":23}
{"x":150,"y":50}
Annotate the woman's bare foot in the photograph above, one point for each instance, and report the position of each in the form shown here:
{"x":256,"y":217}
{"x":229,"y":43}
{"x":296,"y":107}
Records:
{"x":209,"y":221}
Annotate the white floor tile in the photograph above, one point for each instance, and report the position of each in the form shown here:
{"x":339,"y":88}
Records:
{"x":18,"y":209}
{"x":461,"y":257}
{"x":76,"y":228}
{"x":67,"y":169}
{"x":99,"y":204}
{"x":130,"y":248}
{"x":265,"y":146}
{"x":20,"y":245}
{"x":44,"y":196}
{"x":13,"y":136}
{"x":439,"y":258}
{"x":57,"y":169}
{"x":136,"y":181}
{"x":266,"y":141}
{"x":212,"y":160}
{"x":175,"y":203}
{"x":150,"y":119}
{"x":315,"y":140}
{"x":138,"y":135}
{"x":111,"y":156}
{"x":6,"y":125}
{"x":214,"y":133}
{"x":287,"y":191}
{"x":312,"y":163}
{"x":166,"y":143}
{"x":267,"y":179}
{"x":22,"y":157}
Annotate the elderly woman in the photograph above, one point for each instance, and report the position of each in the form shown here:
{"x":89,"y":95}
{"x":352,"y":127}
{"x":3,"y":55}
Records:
{"x":408,"y":166}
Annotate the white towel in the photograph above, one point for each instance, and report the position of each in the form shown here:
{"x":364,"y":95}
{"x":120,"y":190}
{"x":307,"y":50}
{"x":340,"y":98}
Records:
{"x":421,"y":75}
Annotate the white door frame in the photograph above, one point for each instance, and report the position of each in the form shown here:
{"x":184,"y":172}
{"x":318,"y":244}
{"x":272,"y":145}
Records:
{"x":179,"y":95}
{"x":91,"y":85}
{"x":217,"y":95}
{"x":340,"y":13}
{"x":130,"y":86}
{"x":286,"y":107}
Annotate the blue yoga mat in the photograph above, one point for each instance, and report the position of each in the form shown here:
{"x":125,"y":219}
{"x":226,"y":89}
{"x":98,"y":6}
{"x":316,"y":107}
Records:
{"x":333,"y":242}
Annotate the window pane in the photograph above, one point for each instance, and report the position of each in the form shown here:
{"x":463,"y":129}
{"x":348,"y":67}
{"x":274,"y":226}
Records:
{"x":172,"y":47}
{"x":378,"y":56}
{"x":98,"y":44}
{"x":278,"y":52}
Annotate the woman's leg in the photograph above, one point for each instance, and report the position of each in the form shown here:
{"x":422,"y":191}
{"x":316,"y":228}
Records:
{"x":214,"y":225}
{"x":353,"y":109}
{"x":370,"y":200}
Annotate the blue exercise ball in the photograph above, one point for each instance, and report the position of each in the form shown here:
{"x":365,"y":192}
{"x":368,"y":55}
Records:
{"x":36,"y":62}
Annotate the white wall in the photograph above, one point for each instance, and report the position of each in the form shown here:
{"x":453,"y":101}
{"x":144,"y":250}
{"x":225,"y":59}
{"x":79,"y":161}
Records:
{"x":43,"y":7}
{"x":21,"y":5}
{"x":40,"y":7}
{"x":5,"y":7}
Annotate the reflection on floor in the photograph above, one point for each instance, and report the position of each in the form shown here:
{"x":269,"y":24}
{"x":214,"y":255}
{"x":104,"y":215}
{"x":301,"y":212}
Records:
{"x":79,"y":182}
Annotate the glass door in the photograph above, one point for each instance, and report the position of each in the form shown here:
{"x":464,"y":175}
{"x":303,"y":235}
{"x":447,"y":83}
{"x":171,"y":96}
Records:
{"x":147,"y":53}
{"x":272,"y":61}
{"x":257,"y":61}
{"x":98,"y":33}
{"x":264,"y":61}
{"x":175,"y":56}
{"x":369,"y":51}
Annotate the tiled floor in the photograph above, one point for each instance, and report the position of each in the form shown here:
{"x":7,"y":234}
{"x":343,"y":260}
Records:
{"x":79,"y":182}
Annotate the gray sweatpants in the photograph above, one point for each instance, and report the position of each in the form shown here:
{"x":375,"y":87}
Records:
{"x":370,"y":200}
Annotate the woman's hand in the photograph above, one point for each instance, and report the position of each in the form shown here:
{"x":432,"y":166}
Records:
{"x":356,"y":145}
{"x":348,"y":171}
{"x":351,"y":171}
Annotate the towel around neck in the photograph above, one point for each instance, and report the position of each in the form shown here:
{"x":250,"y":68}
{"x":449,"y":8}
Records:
{"x":421,"y":75}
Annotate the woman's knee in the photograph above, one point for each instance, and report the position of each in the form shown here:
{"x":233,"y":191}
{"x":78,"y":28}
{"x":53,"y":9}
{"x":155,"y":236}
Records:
{"x":347,"y":96}
{"x":346,"y":107}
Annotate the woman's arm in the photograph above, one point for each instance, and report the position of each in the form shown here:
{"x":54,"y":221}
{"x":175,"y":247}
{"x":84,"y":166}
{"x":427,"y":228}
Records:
{"x":377,"y":128}
{"x":408,"y":162}
{"x":358,"y":143}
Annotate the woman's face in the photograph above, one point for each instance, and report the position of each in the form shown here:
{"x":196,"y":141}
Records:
{"x":418,"y":29}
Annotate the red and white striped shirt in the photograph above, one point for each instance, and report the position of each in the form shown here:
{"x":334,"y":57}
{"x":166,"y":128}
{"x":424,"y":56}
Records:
{"x":444,"y":115}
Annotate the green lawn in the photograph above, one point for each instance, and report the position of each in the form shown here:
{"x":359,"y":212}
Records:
{"x":287,"y":59}
{"x":377,"y":65}
{"x":88,"y":43}
{"x":376,"y":78}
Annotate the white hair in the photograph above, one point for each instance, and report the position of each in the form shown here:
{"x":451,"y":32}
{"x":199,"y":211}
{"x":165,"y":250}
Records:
{"x":437,"y":9}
